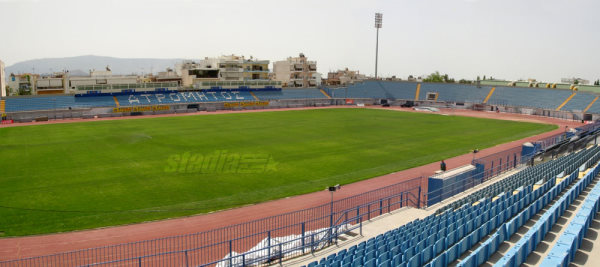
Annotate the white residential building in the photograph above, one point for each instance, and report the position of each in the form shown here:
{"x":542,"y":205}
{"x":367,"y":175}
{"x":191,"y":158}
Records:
{"x":102,"y":80}
{"x":296,"y":72}
{"x":228,"y":68}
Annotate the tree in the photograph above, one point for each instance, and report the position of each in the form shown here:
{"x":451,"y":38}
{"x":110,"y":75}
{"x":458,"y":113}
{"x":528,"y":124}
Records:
{"x":479,"y":79}
{"x":464,"y":81}
{"x":435,"y":77}
{"x":484,"y":77}
{"x":576,"y":82}
{"x":23,"y":91}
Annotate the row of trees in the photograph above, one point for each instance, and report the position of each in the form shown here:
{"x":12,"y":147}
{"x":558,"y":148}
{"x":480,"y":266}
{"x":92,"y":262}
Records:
{"x":437,"y":77}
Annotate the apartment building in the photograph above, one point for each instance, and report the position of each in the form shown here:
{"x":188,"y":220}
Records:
{"x":296,"y":72}
{"x":22,"y":84}
{"x":344,"y":77}
{"x":223,"y":69}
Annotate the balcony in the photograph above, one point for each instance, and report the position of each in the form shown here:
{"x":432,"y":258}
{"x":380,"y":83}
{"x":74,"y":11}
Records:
{"x":231,"y":69}
{"x":258,"y":71}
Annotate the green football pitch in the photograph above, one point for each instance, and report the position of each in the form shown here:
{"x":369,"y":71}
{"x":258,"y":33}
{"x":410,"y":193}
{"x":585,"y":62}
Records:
{"x":62,"y":177}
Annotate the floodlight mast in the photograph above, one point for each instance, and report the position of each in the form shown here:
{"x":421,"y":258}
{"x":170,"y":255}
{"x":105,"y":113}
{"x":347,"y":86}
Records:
{"x":378,"y":23}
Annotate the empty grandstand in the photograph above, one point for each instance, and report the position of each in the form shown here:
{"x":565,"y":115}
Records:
{"x":470,"y":231}
{"x":567,"y":104}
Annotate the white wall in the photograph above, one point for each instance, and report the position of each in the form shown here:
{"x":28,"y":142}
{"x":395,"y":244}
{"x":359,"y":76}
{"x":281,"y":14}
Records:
{"x":281,"y":71}
{"x":79,"y":81}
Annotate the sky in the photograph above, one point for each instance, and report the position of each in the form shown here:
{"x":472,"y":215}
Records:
{"x":507,"y":39}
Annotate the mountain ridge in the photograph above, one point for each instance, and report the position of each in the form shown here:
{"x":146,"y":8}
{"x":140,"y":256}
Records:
{"x":82,"y":64}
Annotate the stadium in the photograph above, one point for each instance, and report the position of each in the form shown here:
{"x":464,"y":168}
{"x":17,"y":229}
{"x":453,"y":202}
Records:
{"x":520,"y":159}
{"x":238,"y":160}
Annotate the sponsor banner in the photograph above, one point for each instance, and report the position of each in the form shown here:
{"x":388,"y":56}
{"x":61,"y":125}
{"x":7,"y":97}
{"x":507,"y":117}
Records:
{"x":349,"y":101}
{"x":7,"y":122}
{"x":140,"y":109}
{"x":246,"y":104}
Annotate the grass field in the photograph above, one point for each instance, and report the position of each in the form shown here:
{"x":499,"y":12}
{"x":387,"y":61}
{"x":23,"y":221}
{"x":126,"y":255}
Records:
{"x":63,"y":177}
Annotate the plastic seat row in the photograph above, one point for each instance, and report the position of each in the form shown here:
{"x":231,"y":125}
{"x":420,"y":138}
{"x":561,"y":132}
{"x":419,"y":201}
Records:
{"x":57,"y":102}
{"x":519,"y":252}
{"x":423,"y":240}
{"x":417,"y":249}
{"x":300,"y":93}
{"x":376,"y":89}
{"x":566,"y":247}
{"x":530,"y":175}
{"x":541,"y":98}
{"x":507,"y":208}
{"x":505,"y":231}
{"x":520,"y":208}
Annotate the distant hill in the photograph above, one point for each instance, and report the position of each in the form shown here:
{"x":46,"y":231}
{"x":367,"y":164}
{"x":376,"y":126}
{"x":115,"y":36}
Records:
{"x":81,"y":65}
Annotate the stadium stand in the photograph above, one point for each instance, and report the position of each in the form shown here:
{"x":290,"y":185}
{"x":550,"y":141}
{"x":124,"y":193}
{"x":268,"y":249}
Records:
{"x":532,"y":175}
{"x":376,"y":89}
{"x":183,"y":97}
{"x":517,"y":254}
{"x":303,"y":93}
{"x":529,"y":97}
{"x":595,"y":108}
{"x":492,"y":214}
{"x":579,"y":102}
{"x":56,"y":102}
{"x":550,"y":99}
{"x":563,"y":252}
{"x":455,"y":92}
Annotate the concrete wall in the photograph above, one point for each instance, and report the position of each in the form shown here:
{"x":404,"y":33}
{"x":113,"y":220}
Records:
{"x":79,"y":81}
{"x":281,"y":71}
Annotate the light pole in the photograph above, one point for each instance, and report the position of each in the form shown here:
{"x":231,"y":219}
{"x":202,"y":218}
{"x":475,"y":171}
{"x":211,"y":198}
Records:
{"x":378,"y":19}
{"x":331,"y":190}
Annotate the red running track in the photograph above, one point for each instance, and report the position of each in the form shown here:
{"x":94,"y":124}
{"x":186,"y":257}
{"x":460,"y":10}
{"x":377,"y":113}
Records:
{"x":22,"y":247}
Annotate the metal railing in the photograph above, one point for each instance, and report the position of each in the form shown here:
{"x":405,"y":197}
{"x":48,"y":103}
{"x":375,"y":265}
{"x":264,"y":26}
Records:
{"x":491,"y":166}
{"x":228,"y":243}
